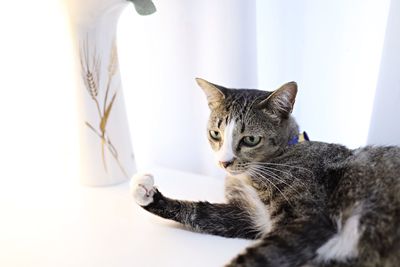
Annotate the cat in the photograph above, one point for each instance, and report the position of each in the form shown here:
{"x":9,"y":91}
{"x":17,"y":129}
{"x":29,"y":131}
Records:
{"x":307,"y":203}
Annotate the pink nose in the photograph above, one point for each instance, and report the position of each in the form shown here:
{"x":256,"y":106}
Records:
{"x":225,"y":164}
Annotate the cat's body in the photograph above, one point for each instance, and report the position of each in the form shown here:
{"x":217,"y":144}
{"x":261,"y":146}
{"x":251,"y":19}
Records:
{"x":308,"y":204}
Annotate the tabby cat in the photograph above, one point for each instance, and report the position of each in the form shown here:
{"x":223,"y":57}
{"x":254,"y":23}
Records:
{"x":307,"y":203}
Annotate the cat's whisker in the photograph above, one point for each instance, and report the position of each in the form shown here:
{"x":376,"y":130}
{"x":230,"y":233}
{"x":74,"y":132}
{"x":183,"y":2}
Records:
{"x":254,"y":174}
{"x":275,"y":176}
{"x":284,"y":165}
{"x":277,"y":188}
{"x":304,"y":186}
{"x":288,"y":173}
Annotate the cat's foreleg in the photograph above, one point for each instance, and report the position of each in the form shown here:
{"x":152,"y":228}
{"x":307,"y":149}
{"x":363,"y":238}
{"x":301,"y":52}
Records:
{"x":290,"y":246}
{"x":219,"y":219}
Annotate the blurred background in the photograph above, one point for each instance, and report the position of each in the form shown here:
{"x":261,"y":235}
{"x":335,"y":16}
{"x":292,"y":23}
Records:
{"x":343,"y":54}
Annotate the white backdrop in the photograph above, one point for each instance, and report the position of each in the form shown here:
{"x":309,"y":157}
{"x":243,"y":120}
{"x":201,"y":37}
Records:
{"x":160,"y":56}
{"x":385,"y":124}
{"x":344,"y":54}
{"x":332,"y":49}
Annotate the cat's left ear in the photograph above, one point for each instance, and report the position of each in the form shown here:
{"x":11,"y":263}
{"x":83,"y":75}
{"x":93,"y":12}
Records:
{"x":215,"y":93}
{"x":281,"y":101}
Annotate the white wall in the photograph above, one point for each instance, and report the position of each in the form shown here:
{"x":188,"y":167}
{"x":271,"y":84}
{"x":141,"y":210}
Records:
{"x":38,"y":111}
{"x":385,"y":123}
{"x":160,"y":55}
{"x":332,"y":49}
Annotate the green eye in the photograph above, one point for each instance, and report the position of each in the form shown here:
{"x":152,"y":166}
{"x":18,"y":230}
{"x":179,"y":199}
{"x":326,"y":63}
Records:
{"x":215,"y":135}
{"x":251,"y":141}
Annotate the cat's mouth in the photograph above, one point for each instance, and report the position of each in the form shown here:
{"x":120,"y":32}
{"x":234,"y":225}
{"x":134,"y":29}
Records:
{"x":231,"y":168}
{"x":235,"y":172}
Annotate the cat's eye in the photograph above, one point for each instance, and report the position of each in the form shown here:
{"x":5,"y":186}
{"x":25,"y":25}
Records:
{"x":251,"y":141}
{"x":215,"y":135}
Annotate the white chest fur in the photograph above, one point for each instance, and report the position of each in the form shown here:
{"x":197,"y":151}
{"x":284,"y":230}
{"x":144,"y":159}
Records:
{"x":240,"y":187}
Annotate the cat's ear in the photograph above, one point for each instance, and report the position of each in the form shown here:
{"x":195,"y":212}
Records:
{"x":215,"y":93}
{"x":281,"y":101}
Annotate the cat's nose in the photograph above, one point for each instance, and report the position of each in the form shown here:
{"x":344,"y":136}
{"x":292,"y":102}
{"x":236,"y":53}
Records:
{"x":225,"y":164}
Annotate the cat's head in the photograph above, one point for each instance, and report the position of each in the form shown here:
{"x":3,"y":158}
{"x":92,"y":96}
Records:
{"x":248,"y":126}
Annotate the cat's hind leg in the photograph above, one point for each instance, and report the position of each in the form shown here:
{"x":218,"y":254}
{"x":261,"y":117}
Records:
{"x":293,"y":245}
{"x":213,"y":218}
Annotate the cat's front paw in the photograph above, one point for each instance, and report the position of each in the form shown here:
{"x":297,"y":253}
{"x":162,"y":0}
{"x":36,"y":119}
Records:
{"x":142,"y":188}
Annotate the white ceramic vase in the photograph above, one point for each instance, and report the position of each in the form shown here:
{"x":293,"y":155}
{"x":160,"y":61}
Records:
{"x":106,"y":150}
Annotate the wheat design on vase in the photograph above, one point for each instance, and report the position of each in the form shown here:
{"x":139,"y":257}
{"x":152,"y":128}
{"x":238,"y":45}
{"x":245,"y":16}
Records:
{"x":91,"y":70}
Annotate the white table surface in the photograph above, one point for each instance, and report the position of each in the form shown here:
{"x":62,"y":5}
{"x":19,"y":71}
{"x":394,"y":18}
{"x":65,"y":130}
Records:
{"x":82,"y":226}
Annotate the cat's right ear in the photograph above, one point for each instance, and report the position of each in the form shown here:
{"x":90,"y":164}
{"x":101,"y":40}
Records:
{"x":214,"y":93}
{"x":280,"y":102}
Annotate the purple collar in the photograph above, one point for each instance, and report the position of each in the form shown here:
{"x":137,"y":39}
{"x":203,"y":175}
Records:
{"x":298,"y":139}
